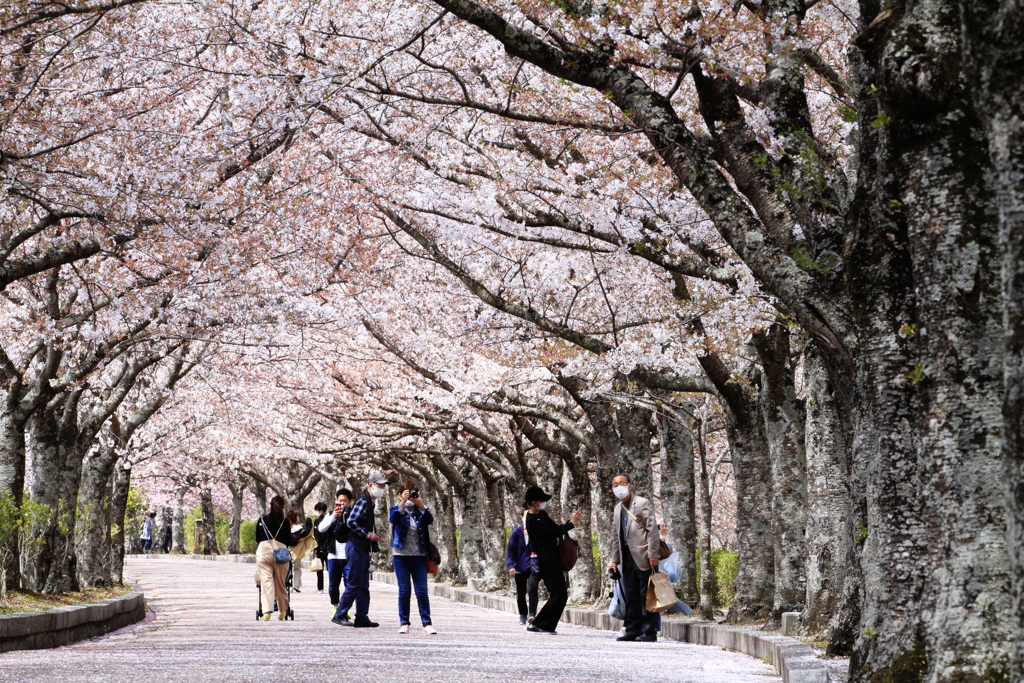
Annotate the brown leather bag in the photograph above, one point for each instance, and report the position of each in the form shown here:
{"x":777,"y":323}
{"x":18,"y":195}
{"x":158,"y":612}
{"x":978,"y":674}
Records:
{"x":568,"y":552}
{"x":663,"y":551}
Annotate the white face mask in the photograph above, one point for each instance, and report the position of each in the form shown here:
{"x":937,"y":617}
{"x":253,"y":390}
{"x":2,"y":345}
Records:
{"x":543,"y":504}
{"x":621,"y":492}
{"x":409,"y":504}
{"x":377,"y":491}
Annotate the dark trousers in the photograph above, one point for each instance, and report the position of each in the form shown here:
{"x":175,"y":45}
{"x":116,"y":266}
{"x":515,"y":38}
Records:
{"x":357,"y":582}
{"x":527,"y":584}
{"x":638,"y":620}
{"x":554,"y":579}
{"x":335,"y":573}
{"x":412,"y":569}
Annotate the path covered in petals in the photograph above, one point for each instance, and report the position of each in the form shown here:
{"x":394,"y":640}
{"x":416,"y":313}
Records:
{"x":204,"y":630}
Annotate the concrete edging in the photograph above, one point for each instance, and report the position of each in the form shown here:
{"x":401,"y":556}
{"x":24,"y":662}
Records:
{"x":244,"y":559}
{"x":71,"y":623}
{"x":794,"y":660}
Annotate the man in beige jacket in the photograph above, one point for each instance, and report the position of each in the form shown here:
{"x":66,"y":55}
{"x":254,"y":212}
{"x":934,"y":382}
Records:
{"x":635,"y":545}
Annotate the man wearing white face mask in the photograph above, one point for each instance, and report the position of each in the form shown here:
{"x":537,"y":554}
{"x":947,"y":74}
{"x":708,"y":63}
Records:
{"x":362,"y":540}
{"x":635,"y":546}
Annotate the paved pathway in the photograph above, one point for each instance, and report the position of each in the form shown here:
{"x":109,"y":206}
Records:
{"x":205,"y":631}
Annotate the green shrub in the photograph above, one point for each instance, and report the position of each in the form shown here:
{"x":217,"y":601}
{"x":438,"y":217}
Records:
{"x":726,"y":565}
{"x":247,"y":538}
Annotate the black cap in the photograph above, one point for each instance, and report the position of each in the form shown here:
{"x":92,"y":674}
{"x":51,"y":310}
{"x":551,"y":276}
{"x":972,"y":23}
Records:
{"x":535,"y":493}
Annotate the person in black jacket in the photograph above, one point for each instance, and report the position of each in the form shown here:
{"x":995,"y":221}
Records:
{"x":321,"y":551}
{"x":334,"y":529}
{"x":544,"y":535}
{"x":274,"y":531}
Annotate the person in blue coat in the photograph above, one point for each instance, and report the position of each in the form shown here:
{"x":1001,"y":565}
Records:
{"x":521,"y":568}
{"x":409,"y":522}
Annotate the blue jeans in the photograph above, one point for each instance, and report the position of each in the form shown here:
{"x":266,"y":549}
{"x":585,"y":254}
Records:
{"x":357,"y":582}
{"x":412,"y":567}
{"x":335,"y":574}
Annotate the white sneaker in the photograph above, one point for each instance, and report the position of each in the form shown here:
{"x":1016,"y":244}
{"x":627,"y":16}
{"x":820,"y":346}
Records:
{"x":404,"y":629}
{"x":430,"y":630}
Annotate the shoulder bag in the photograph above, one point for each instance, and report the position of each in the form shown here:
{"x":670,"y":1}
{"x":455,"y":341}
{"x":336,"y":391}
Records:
{"x":431,"y":554}
{"x":568,"y":552}
{"x":281,"y":555}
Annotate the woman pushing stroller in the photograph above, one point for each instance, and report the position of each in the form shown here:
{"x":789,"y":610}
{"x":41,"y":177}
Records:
{"x":272,"y":532}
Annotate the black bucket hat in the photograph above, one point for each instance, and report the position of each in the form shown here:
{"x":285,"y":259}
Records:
{"x":535,"y":493}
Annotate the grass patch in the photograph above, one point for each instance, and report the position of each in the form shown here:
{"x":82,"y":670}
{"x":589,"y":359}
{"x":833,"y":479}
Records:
{"x":30,"y":601}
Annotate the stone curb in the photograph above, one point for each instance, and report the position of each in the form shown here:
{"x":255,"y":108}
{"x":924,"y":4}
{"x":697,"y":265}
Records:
{"x":63,"y":625}
{"x":793,"y":660}
{"x":244,"y":559}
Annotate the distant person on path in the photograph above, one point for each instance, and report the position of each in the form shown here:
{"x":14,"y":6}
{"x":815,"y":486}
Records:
{"x":273,"y":531}
{"x":409,"y":522}
{"x":520,"y":568}
{"x":148,"y":525}
{"x":321,"y":543}
{"x":544,"y":535}
{"x":334,"y":529}
{"x":635,"y":549}
{"x":362,"y":540}
{"x":303,"y":548}
{"x":168,"y":537}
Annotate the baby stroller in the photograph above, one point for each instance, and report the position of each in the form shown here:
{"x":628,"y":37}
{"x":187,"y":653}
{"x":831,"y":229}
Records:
{"x":288,"y":587}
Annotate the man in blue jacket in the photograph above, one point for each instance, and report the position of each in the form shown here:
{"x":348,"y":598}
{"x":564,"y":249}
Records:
{"x":520,"y":568}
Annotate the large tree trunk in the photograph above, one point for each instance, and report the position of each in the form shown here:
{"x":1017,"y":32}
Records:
{"x":12,"y":489}
{"x":584,"y":584}
{"x":935,"y":603}
{"x":751,"y":466}
{"x":178,"y":525}
{"x":260,"y":491}
{"x":56,"y":473}
{"x":94,"y":503}
{"x":495,"y":569}
{"x":471,"y":542}
{"x":119,"y":489}
{"x":828,"y":497}
{"x":993,"y":31}
{"x":678,"y":501}
{"x":785,"y":427}
{"x":237,"y":489}
{"x":209,"y":522}
{"x":443,"y":535}
{"x":708,"y":585}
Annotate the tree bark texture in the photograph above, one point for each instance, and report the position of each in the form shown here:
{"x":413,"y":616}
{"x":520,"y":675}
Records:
{"x":678,"y":495}
{"x":784,"y":424}
{"x":209,"y":513}
{"x":708,"y":584}
{"x":94,"y":503}
{"x":828,"y":497}
{"x":922,"y":257}
{"x":471,"y":542}
{"x":237,"y":489}
{"x":120,"y":486}
{"x":993,"y":33}
{"x":178,"y":525}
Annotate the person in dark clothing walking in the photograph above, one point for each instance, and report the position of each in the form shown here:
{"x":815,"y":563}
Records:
{"x":168,"y":537}
{"x":321,"y":543}
{"x":362,"y":540}
{"x":544,"y":535}
{"x":520,"y":568}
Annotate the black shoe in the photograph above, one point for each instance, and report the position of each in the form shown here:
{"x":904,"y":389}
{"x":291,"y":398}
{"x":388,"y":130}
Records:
{"x":341,"y":621}
{"x":534,"y":629}
{"x":627,"y":637}
{"x":296,"y":590}
{"x":647,"y":639}
{"x":364,"y":623}
{"x":522,"y":620}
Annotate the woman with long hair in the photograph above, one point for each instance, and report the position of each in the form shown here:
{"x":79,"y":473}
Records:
{"x":273,"y":531}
